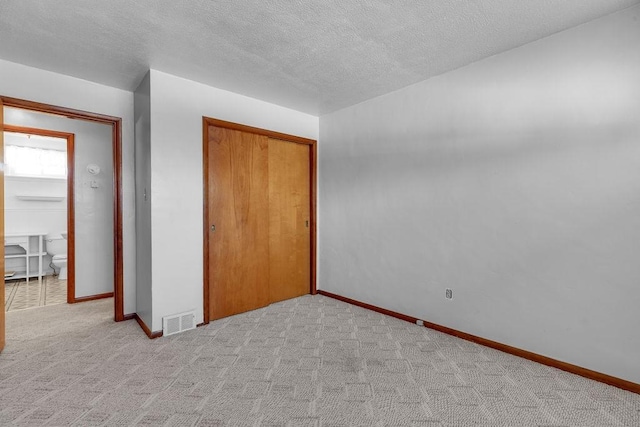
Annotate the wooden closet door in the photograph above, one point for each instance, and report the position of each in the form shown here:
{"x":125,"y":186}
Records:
{"x":238,"y":206}
{"x":289,"y":220}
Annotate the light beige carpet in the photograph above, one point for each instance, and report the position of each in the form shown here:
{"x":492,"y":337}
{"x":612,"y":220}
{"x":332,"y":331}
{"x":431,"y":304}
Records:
{"x":311,"y":361}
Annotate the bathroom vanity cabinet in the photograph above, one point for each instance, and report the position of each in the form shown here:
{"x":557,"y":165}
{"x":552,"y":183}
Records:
{"x":23,"y":254}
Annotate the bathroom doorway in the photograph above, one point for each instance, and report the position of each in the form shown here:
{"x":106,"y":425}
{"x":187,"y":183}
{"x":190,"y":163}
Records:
{"x":39,"y":217}
{"x":115,"y":239}
{"x":93,"y":201}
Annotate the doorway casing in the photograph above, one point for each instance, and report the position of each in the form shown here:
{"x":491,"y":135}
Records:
{"x":71,"y":234}
{"x":116,"y":126}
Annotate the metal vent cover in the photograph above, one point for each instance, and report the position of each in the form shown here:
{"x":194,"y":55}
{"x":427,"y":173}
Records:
{"x":178,"y":323}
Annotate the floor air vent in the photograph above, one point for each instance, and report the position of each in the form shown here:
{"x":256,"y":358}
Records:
{"x":178,"y":323}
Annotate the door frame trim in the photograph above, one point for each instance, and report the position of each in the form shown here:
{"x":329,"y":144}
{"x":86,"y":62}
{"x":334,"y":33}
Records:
{"x":116,"y":143}
{"x":313,"y":156}
{"x":71,"y":231}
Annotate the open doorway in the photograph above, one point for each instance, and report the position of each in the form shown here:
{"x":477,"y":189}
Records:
{"x":39,"y":217}
{"x":115,"y":206}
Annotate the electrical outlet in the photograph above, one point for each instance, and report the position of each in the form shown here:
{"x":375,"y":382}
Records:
{"x":448,"y":293}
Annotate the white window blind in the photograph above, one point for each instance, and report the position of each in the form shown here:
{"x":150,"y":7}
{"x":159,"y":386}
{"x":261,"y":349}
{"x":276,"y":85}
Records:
{"x":28,"y":161}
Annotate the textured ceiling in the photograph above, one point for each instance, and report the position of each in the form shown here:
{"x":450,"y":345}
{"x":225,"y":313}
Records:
{"x":311,"y":55}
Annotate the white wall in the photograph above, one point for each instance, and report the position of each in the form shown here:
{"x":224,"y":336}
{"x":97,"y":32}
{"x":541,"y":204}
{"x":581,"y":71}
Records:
{"x":19,"y":81}
{"x":515,"y":181}
{"x":144,"y":283}
{"x":177,"y":108}
{"x":93,"y":206}
{"x":23,"y":217}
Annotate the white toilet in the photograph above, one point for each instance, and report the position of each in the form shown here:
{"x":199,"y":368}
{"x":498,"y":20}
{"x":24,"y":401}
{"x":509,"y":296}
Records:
{"x":56,"y":244}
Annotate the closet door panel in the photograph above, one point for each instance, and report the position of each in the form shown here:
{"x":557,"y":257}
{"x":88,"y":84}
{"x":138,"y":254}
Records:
{"x":238,"y":205}
{"x":289,"y":220}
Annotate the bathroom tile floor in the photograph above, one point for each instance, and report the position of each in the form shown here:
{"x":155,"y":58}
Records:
{"x":20,"y":295}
